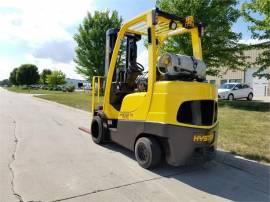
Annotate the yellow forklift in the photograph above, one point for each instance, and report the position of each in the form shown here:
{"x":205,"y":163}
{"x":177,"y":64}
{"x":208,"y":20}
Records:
{"x":168,"y":112}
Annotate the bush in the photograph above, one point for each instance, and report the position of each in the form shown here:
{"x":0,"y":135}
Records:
{"x":24,"y":87}
{"x":64,"y":89}
{"x":58,"y":88}
{"x":70,"y":88}
{"x":246,"y":105}
{"x":45,"y":87}
{"x":34,"y":87}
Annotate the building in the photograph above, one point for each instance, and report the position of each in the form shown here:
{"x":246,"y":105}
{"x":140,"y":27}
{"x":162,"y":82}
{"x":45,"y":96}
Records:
{"x":79,"y":84}
{"x":261,"y":87}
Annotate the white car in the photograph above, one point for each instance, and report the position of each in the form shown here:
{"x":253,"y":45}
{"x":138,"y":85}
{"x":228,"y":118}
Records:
{"x":231,"y":91}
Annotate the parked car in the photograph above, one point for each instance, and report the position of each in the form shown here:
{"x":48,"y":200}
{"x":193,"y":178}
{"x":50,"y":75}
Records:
{"x":231,"y":91}
{"x":87,"y":88}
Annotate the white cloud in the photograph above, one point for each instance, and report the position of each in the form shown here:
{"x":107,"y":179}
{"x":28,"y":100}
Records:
{"x":59,"y":51}
{"x":36,"y":22}
{"x":45,"y":63}
{"x":42,"y":27}
{"x":6,"y":66}
{"x":252,"y":41}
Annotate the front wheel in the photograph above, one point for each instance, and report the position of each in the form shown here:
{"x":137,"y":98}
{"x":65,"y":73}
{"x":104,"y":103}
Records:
{"x":98,"y":131}
{"x":148,"y":152}
{"x":231,"y":97}
{"x":250,"y":96}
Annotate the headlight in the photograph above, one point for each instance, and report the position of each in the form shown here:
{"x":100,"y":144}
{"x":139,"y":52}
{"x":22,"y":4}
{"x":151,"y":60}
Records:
{"x":173,"y":25}
{"x":223,"y":94}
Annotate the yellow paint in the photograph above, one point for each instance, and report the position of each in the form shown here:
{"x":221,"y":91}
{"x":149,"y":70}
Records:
{"x":162,"y":100}
{"x":133,"y":101}
{"x":165,"y":101}
{"x":94,"y":91}
{"x":189,"y":21}
{"x":204,"y":138}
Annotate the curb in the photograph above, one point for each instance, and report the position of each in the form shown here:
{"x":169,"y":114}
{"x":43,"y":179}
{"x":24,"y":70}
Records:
{"x":241,"y":163}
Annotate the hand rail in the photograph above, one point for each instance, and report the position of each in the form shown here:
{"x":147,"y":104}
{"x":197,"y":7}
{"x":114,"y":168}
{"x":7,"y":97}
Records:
{"x":94,"y":89}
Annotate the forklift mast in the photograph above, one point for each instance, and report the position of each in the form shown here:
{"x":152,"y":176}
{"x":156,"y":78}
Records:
{"x":111,"y":36}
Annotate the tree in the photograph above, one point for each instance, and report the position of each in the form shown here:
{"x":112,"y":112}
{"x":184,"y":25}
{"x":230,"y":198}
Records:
{"x":5,"y":82}
{"x":27,"y":74}
{"x":12,"y":77}
{"x":219,"y":43}
{"x":44,"y":74}
{"x":56,"y":78}
{"x":260,"y":29}
{"x":91,"y":39}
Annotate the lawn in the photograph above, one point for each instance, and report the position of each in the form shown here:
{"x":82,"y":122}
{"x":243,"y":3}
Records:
{"x":30,"y":91}
{"x":245,"y":132}
{"x":78,"y":100}
{"x":243,"y":126}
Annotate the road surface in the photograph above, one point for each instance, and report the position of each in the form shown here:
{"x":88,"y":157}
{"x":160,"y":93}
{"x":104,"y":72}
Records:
{"x":44,"y":157}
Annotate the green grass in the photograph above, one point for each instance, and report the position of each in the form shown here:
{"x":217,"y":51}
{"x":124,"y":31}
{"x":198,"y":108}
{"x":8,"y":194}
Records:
{"x":243,"y":126}
{"x":245,"y":132}
{"x":78,"y":100}
{"x":30,"y":91}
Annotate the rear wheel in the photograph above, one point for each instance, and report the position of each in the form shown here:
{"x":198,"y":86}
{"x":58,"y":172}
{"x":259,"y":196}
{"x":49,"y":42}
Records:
{"x":148,"y":152}
{"x":250,"y":96}
{"x":98,"y":131}
{"x":231,"y":97}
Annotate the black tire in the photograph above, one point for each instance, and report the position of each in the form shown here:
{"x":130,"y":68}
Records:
{"x":98,"y":132}
{"x":250,"y":96}
{"x":148,"y":152}
{"x":230,"y":97}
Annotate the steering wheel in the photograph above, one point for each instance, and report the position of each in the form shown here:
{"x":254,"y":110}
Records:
{"x":136,"y":68}
{"x":140,"y":67}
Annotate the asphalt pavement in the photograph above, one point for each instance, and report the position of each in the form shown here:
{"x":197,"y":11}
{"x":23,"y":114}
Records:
{"x":44,"y":157}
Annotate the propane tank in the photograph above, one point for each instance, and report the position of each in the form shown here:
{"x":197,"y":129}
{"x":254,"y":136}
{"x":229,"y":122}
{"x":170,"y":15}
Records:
{"x":181,"y":67}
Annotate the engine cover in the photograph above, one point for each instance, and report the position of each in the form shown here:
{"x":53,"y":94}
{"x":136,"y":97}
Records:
{"x":181,"y":67}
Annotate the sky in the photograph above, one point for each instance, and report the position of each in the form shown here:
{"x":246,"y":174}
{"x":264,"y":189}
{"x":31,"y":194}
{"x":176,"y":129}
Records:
{"x":41,"y":31}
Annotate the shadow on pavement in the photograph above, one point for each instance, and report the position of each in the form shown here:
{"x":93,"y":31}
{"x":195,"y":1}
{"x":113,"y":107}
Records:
{"x":220,"y":179}
{"x":241,"y":163}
